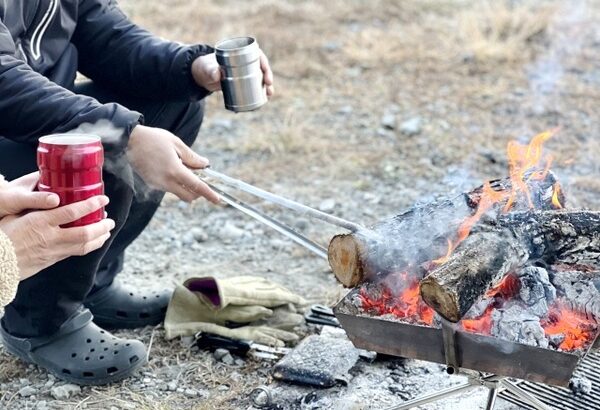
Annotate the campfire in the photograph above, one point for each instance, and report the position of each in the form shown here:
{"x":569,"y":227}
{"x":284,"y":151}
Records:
{"x":507,"y":265}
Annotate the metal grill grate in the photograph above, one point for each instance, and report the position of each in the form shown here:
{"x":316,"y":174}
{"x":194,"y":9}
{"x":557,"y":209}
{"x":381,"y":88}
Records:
{"x":562,"y":398}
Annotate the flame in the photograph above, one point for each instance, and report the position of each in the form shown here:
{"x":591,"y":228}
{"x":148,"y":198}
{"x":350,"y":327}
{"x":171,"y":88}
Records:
{"x":406,"y":305}
{"x":555,"y":196}
{"x":576,"y":327}
{"x":522,"y":159}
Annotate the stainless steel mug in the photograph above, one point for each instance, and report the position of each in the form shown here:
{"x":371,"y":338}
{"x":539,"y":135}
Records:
{"x":242,"y":78}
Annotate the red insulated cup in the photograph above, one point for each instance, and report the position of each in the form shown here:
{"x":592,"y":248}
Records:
{"x":71,"y":166}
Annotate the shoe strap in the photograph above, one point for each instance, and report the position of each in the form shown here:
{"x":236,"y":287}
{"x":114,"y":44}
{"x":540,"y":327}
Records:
{"x":79,"y":320}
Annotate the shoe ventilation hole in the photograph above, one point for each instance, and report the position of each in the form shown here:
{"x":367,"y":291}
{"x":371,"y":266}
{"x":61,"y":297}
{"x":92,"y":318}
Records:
{"x":92,"y":350}
{"x":116,"y":352}
{"x":120,"y":313}
{"x":87,"y":359}
{"x":102,"y":331}
{"x":88,"y":374}
{"x":127,"y":344}
{"x":102,"y":341}
{"x":73,"y":355}
{"x":157,"y":296}
{"x":145,"y":297}
{"x":101,"y":357}
{"x":130,"y":294}
{"x":89,"y":341}
{"x":105,"y":349}
{"x":66,"y":371}
{"x":116,"y":344}
{"x":133,"y":359}
{"x":112,"y":370}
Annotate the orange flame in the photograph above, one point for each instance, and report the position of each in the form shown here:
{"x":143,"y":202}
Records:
{"x":521,"y":159}
{"x":406,"y":305}
{"x":555,"y":196}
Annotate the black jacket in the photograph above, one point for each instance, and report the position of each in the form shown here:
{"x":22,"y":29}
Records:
{"x":43,"y":43}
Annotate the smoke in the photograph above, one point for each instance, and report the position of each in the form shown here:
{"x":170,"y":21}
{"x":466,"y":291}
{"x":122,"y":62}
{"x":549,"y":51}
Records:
{"x":117,"y":163}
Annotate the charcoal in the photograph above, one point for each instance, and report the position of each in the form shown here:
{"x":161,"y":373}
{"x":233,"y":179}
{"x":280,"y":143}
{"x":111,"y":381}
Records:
{"x":318,"y":361}
{"x":516,"y":324}
{"x":478,"y":308}
{"x":556,"y":340}
{"x":580,"y":292}
{"x":536,"y":291}
{"x":580,"y":385}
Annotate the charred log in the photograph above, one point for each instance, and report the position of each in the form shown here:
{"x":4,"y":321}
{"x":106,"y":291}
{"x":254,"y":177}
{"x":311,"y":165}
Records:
{"x":497,"y":247}
{"x":417,"y":235}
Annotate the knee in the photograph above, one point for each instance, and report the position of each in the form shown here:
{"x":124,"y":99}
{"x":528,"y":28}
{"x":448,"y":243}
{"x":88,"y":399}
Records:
{"x":185,"y":120}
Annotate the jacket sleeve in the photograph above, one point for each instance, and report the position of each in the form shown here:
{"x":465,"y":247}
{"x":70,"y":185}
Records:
{"x":115,"y":52}
{"x":31,"y":105}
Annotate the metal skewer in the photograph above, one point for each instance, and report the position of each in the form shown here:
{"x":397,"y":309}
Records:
{"x":267,"y":220}
{"x":279,"y":200}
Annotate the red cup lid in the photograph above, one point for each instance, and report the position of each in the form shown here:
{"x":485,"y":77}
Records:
{"x":70,"y":139}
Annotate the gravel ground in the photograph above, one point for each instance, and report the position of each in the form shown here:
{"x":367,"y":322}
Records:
{"x":379,"y":105}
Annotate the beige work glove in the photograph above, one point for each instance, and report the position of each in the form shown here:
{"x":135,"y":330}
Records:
{"x":211,"y":302}
{"x":242,"y":291}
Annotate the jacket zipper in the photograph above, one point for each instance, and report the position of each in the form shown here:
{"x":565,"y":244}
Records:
{"x":40,"y":30}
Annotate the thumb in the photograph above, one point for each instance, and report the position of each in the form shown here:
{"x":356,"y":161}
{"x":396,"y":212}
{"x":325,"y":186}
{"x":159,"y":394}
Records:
{"x":215,"y":74}
{"x":189,"y":158}
{"x":15,"y":201}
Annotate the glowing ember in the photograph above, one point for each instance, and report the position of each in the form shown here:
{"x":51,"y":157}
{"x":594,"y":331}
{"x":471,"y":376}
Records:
{"x":406,"y":305}
{"x":555,"y":195}
{"x":576,"y":327}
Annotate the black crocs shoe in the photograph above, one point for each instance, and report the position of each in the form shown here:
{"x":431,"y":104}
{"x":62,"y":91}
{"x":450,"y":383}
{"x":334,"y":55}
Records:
{"x":120,"y":307}
{"x":80,"y":352}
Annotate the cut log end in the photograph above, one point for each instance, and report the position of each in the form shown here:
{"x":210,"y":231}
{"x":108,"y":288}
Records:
{"x":443,"y":302}
{"x":345,"y":259}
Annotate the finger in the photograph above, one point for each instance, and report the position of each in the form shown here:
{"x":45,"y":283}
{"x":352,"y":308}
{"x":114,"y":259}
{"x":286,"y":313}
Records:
{"x":266,"y":68}
{"x":93,"y":245}
{"x":27,"y":182}
{"x":73,"y":212}
{"x":197,"y":187}
{"x":270,"y":91}
{"x":15,"y":201}
{"x":189,"y":157}
{"x":83,"y":234}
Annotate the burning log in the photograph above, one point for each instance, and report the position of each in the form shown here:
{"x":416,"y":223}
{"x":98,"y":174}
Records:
{"x":419,"y":234}
{"x":498,"y":247}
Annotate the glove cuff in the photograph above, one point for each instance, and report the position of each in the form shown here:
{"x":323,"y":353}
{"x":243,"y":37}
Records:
{"x":206,"y":288}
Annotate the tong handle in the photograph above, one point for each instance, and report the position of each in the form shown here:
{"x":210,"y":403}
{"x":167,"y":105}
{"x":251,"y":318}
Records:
{"x":212,"y":342}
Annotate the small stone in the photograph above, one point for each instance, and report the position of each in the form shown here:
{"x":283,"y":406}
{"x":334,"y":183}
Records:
{"x":187,"y":238}
{"x":228,"y":359}
{"x":27,"y":391}
{"x":49,"y":384}
{"x":41,"y":405}
{"x":345,"y":110}
{"x":180,"y":390}
{"x":172,"y":386}
{"x":24,"y":382}
{"x":580,"y":385}
{"x":240,"y":362}
{"x":199,"y":235}
{"x":327,"y":205}
{"x":223,"y":388}
{"x":220,"y":353}
{"x":412,"y":126}
{"x":388,"y":121}
{"x":147,"y":381}
{"x":190,"y":393}
{"x":230,"y":231}
{"x":65,"y":391}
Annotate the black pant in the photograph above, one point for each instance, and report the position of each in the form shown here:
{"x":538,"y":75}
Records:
{"x":47,"y":299}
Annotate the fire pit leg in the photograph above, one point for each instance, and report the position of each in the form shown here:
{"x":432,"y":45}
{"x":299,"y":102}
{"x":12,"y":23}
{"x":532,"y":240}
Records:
{"x":492,"y":396}
{"x":523,"y":395}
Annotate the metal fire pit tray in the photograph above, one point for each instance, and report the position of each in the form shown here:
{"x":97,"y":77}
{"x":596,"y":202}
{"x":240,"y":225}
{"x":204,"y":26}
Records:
{"x":473,"y":351}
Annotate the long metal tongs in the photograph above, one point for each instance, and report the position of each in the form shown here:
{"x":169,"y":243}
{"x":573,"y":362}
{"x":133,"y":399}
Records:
{"x":278,"y":200}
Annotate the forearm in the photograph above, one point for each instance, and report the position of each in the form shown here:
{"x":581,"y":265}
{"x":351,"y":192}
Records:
{"x":31,"y":106}
{"x":118,"y":53}
{"x":9,"y":271}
